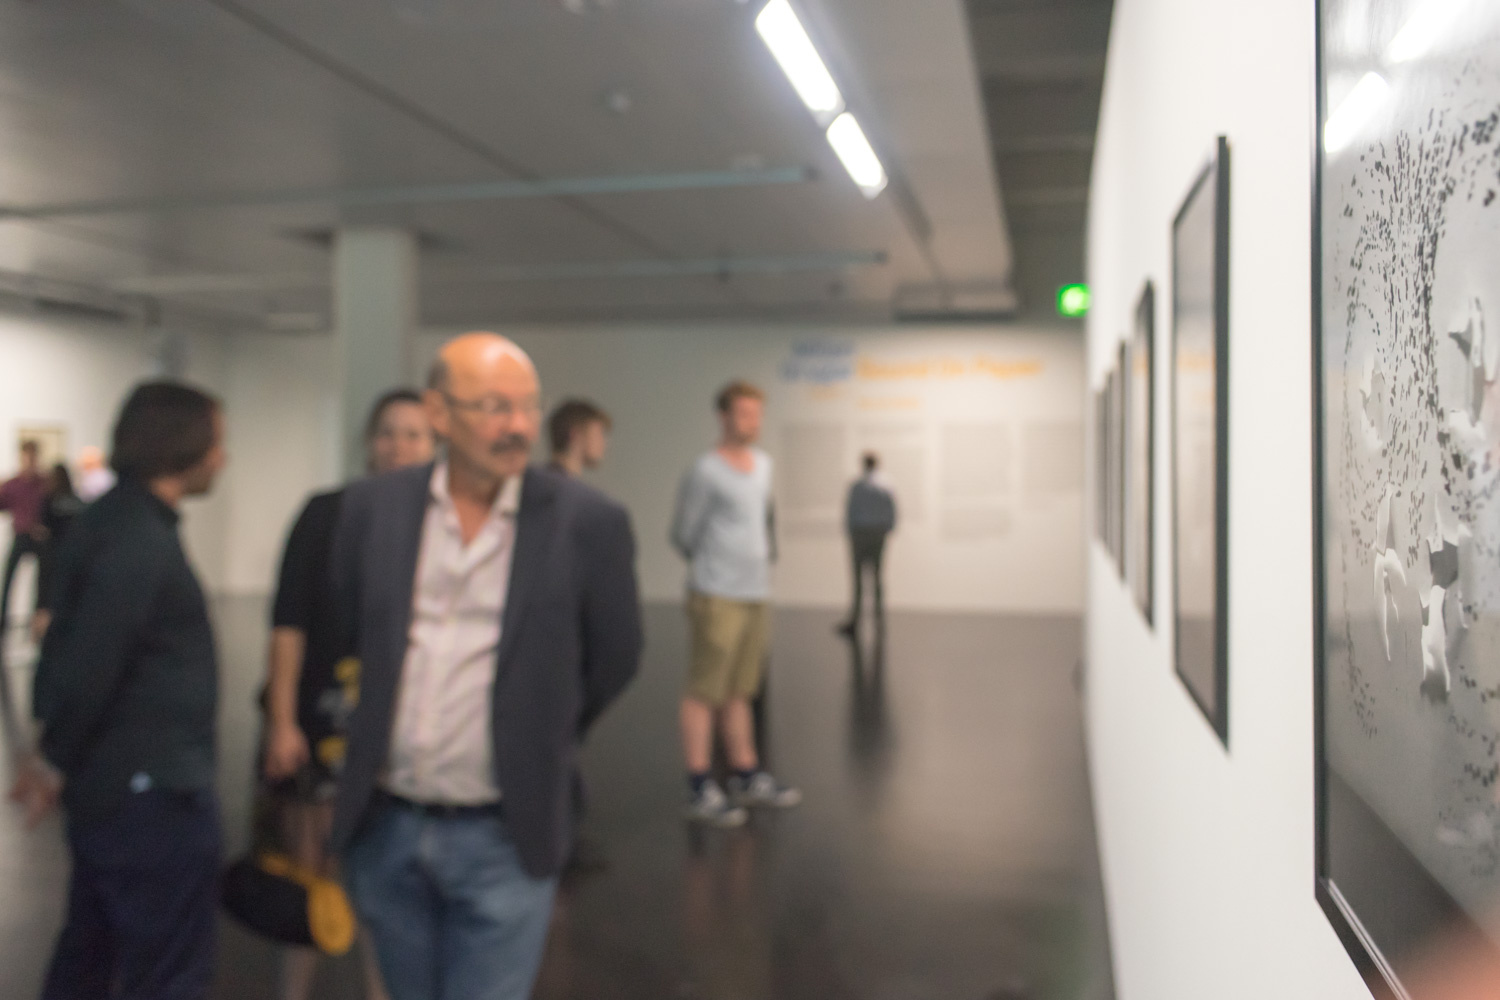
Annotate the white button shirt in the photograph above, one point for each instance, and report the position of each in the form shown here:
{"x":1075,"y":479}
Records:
{"x":442,"y":750}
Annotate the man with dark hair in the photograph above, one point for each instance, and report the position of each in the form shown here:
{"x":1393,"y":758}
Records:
{"x":869,"y":516}
{"x":723,"y":528}
{"x":126,"y":692}
{"x":495,"y":615}
{"x":579,"y":433}
{"x":25,"y":497}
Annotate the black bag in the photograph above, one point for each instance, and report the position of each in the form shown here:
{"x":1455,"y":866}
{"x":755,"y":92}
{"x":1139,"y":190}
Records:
{"x":288,"y":904}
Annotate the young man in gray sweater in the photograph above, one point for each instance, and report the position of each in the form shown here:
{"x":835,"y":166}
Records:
{"x":723,"y":528}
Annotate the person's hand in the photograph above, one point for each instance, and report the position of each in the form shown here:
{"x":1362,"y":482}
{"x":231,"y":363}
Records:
{"x":37,"y":789}
{"x":39,"y":622}
{"x":286,"y":751}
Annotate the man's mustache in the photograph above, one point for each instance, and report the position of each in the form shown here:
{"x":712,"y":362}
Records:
{"x":509,"y":443}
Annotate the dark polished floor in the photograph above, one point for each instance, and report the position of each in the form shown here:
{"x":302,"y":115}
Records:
{"x":945,"y":849}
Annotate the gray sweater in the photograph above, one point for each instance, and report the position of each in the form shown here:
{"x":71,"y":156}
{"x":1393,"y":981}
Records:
{"x":722,"y":527}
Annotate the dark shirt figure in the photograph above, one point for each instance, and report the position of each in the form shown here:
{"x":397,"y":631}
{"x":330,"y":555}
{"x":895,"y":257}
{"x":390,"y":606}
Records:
{"x":579,"y":434}
{"x":869,"y":516}
{"x":24,"y":497}
{"x":126,"y":693}
{"x":62,"y":507}
{"x":312,"y":685}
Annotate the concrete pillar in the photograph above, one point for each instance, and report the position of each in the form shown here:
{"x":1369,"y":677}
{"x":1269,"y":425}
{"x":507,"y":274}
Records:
{"x":374,"y":315}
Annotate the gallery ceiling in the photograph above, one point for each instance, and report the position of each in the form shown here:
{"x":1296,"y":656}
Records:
{"x":560,"y":159}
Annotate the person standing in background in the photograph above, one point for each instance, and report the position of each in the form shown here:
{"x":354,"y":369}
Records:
{"x":311,"y":687}
{"x":869,"y":516}
{"x":495,"y":613}
{"x":25,"y":497}
{"x":723,"y":527}
{"x":94,"y":476}
{"x":579,"y":434}
{"x":62,"y":506}
{"x":126,"y":694}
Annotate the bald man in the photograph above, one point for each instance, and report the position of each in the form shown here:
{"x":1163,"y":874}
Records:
{"x":494,"y":608}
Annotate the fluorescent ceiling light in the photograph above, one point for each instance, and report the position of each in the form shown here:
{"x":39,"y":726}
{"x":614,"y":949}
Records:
{"x":1356,"y":111}
{"x":854,"y":150}
{"x":1426,"y":26}
{"x":799,"y":59}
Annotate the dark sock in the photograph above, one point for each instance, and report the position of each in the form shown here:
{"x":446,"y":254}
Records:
{"x":697,"y":781}
{"x":745,"y":776}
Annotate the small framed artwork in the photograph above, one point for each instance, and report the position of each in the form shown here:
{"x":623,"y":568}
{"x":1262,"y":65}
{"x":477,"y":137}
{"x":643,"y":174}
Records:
{"x":1200,"y":439}
{"x":1117,"y":458}
{"x":51,"y":441}
{"x":1140,"y":466}
{"x":1406,"y":411}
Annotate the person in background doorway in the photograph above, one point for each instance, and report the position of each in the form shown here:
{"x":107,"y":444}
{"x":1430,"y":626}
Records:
{"x":62,"y":506}
{"x":869,"y":516}
{"x":94,"y":476}
{"x":126,"y":694}
{"x":723,"y":527}
{"x":311,"y":687}
{"x":579,"y":433}
{"x":24,"y":497}
{"x":494,"y":611}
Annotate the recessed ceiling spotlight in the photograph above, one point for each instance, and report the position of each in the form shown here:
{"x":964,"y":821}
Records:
{"x":618,"y":101}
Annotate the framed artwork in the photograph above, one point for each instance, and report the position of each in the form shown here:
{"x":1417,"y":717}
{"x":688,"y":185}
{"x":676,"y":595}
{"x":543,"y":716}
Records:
{"x":1406,"y":360}
{"x":1117,"y":458}
{"x":1140,"y":428}
{"x":1101,"y":466}
{"x":51,"y":441}
{"x":1200,"y":439}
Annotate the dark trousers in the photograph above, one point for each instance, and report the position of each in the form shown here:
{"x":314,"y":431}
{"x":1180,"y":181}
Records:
{"x":868,"y":548}
{"x":22,"y":546}
{"x":141,"y":903}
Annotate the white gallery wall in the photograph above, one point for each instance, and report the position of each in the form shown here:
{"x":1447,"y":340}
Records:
{"x":71,"y":376}
{"x":980,"y":428}
{"x":1207,"y":852}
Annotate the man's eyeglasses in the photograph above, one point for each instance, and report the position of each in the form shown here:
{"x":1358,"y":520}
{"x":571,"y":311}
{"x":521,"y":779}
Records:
{"x":497,"y":406}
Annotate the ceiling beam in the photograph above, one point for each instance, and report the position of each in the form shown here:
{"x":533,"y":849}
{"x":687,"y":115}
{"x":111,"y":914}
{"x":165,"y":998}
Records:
{"x":721,"y":267}
{"x":422,"y":194}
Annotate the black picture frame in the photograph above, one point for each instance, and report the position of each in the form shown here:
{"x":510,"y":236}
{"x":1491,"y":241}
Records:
{"x":1200,"y":313}
{"x":1383,"y":901}
{"x":1117,"y":458}
{"x":1140,"y":468}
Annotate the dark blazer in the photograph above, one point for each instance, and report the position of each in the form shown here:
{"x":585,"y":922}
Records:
{"x":570,"y":642}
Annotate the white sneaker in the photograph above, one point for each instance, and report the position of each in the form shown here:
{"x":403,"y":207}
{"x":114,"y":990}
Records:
{"x":713,"y":807}
{"x":763,"y":790}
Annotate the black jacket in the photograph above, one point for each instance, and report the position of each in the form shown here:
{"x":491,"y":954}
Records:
{"x":570,"y":641}
{"x":127,"y":683}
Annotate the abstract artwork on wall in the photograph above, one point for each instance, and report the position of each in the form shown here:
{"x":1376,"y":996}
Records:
{"x":1407,"y":509}
{"x":1200,"y":439}
{"x":1140,"y":465}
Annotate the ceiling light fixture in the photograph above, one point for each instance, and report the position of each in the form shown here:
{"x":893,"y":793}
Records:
{"x":799,"y":59}
{"x":1355,"y":112}
{"x":858,"y":157}
{"x":788,"y":41}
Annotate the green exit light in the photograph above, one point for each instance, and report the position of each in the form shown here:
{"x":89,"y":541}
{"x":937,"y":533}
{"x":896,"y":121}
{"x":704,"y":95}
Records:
{"x":1073,"y":300}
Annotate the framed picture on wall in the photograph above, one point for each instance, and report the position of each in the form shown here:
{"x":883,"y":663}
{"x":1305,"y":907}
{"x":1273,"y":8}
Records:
{"x":51,"y":441}
{"x":1140,"y":427}
{"x":1101,"y":466}
{"x":1200,"y":439}
{"x":1406,"y":360}
{"x":1117,"y":458}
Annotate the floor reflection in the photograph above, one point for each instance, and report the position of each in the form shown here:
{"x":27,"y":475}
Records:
{"x":944,"y":850}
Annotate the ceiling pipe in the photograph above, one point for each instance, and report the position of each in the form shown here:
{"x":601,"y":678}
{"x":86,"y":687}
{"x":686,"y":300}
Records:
{"x":425,"y":194}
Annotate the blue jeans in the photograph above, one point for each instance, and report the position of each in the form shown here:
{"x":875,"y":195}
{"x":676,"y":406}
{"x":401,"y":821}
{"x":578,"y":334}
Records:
{"x":453,"y":914}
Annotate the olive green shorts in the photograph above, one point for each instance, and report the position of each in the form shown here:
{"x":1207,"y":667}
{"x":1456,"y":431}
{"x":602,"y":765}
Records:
{"x":729,"y":648}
